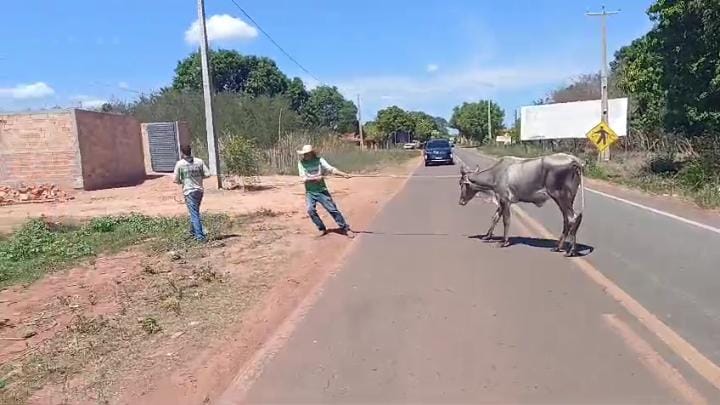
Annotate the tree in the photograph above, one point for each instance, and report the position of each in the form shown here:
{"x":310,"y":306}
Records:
{"x":471,"y":119}
{"x":638,"y":71}
{"x":392,"y":120}
{"x":372,"y":132}
{"x":686,"y":39}
{"x":232,"y":72}
{"x":424,"y":125}
{"x":298,"y":94}
{"x":442,"y":125}
{"x":327,"y":108}
{"x":673,"y":72}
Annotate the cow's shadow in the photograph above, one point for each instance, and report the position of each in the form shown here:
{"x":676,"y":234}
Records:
{"x":541,"y":243}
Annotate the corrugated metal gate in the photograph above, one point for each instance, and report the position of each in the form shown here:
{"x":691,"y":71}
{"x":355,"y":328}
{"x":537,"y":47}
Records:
{"x":163,"y":141}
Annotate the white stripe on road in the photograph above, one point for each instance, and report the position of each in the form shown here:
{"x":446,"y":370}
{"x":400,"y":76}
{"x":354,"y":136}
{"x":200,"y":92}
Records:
{"x":657,"y":211}
{"x":653,"y":210}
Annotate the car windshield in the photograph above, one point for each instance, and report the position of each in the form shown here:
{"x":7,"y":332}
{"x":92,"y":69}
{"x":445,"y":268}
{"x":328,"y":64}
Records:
{"x":440,"y":143}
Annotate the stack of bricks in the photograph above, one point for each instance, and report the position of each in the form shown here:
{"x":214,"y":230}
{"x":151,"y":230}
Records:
{"x":32,"y":194}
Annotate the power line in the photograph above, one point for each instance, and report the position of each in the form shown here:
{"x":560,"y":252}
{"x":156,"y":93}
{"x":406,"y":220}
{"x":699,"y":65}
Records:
{"x":275,"y":42}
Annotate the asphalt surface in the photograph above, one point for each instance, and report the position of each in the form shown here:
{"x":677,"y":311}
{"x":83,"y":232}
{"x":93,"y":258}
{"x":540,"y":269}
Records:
{"x":424,"y":312}
{"x":671,"y":267}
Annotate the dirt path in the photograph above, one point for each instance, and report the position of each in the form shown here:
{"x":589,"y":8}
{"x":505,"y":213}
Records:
{"x":256,"y":279}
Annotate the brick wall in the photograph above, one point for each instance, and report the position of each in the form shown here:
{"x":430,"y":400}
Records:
{"x":39,"y":148}
{"x":111,"y":150}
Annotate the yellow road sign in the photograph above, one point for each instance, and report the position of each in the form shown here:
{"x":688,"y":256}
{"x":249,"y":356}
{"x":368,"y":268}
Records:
{"x":602,"y":136}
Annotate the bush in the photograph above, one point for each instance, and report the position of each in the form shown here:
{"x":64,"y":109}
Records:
{"x":240,"y":156}
{"x":696,"y":174}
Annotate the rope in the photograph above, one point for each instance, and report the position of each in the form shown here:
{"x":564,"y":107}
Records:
{"x":300,"y":182}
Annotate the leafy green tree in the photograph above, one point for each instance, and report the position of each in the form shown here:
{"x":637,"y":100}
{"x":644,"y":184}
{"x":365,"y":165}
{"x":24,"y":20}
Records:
{"x":424,"y":125}
{"x":327,"y":108}
{"x":392,"y":120}
{"x":372,"y":132}
{"x":298,"y":94}
{"x":686,"y":37}
{"x":638,"y":71}
{"x":232,"y":72}
{"x":672,"y":73}
{"x":471,"y":120}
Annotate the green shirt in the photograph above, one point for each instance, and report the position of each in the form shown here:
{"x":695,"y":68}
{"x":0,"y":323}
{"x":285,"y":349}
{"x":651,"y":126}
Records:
{"x":314,"y":167}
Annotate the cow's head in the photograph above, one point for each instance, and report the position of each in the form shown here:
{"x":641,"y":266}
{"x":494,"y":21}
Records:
{"x":467,"y":189}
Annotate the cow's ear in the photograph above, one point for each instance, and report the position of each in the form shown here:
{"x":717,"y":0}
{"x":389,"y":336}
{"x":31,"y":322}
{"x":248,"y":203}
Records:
{"x":463,"y":170}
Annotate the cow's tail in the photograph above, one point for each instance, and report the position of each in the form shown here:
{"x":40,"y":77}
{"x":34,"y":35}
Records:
{"x":579,"y":170}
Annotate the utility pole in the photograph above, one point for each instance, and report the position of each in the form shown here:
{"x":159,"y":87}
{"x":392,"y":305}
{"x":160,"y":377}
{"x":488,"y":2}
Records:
{"x":489,"y":123}
{"x":213,"y":159}
{"x":604,"y":73}
{"x":360,"y":128}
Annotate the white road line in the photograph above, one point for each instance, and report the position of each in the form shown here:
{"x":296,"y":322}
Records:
{"x":657,"y":211}
{"x":653,"y":210}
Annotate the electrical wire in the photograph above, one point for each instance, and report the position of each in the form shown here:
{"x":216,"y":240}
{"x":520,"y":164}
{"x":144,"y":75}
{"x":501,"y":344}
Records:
{"x":275,"y":42}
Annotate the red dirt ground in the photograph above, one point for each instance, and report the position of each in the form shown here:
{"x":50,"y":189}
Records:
{"x":201,"y":365}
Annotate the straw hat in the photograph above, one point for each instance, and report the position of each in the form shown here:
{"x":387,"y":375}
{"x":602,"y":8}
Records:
{"x":306,"y":149}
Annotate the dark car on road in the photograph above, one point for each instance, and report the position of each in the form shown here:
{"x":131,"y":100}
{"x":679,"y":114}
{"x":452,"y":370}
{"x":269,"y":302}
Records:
{"x":438,"y":151}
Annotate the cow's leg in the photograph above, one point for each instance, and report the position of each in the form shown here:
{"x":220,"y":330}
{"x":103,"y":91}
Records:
{"x":493,"y":224}
{"x":575,"y":225}
{"x":566,"y":225}
{"x":506,"y":225}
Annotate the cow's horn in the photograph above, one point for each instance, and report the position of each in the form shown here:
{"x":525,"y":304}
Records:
{"x":477,"y":169}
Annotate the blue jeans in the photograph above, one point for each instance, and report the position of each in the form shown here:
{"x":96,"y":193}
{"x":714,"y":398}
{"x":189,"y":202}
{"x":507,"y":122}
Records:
{"x":193,"y":201}
{"x":324,"y":198}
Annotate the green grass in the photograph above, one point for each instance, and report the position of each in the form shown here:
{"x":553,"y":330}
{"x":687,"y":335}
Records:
{"x":632,"y":170}
{"x":357,"y":161}
{"x":41,"y":246}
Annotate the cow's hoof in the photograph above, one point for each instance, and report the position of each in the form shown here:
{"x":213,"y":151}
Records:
{"x":555,"y":250}
{"x":503,"y":244}
{"x":571,"y":254}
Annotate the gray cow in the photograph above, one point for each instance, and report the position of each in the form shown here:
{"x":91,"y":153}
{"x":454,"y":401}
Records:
{"x":536,"y":180}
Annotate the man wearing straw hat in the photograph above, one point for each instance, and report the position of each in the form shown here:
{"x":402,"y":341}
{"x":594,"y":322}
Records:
{"x":312,"y":169}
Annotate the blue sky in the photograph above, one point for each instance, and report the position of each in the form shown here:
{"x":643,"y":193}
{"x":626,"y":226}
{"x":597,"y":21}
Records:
{"x":429,"y":55}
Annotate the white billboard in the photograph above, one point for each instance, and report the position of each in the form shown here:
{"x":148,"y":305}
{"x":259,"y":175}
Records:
{"x":570,"y":120}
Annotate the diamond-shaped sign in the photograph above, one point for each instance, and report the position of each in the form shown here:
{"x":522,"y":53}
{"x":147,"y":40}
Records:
{"x":602,"y":136}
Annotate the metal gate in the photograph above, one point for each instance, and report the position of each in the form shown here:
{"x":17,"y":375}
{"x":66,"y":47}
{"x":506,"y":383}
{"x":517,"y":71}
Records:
{"x":163,"y":140}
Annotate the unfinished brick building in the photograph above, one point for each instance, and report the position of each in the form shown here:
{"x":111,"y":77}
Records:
{"x":71,"y":148}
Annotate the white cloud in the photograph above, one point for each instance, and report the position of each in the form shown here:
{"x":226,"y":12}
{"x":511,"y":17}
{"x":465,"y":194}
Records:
{"x":465,"y":83}
{"x":221,"y":27}
{"x":89,"y":102}
{"x":123,"y":86}
{"x":439,"y":92}
{"x":432,"y":68}
{"x":27,"y":91}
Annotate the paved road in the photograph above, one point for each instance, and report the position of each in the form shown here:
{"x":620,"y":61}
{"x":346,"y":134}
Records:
{"x":425,"y":313}
{"x":671,"y":267}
